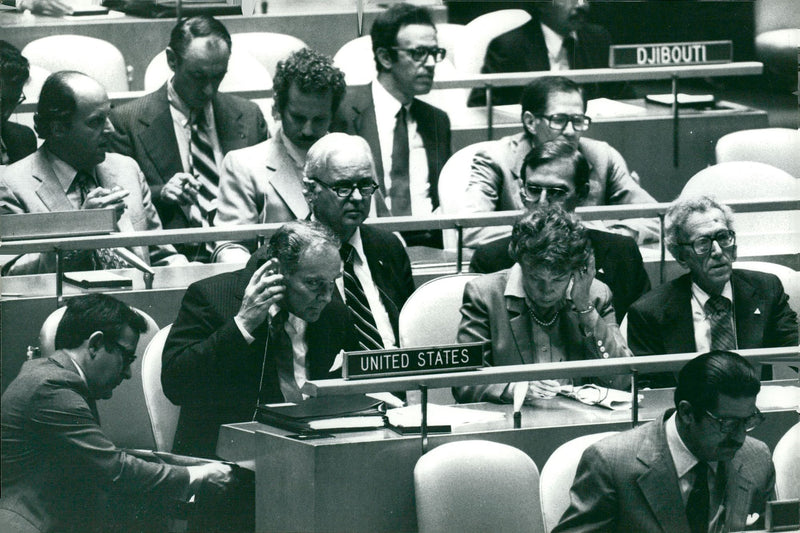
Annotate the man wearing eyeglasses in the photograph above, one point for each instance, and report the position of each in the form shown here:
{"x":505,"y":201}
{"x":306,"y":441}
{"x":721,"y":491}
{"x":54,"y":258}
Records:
{"x":410,"y":140}
{"x":713,"y":306}
{"x":16,"y":141}
{"x":692,"y":470}
{"x":377,"y":278}
{"x":552,"y":108}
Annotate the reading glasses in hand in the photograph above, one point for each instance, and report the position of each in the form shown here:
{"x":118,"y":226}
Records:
{"x":702,"y":245}
{"x":343,"y":189}
{"x":559,"y":121}
{"x":421,"y":53}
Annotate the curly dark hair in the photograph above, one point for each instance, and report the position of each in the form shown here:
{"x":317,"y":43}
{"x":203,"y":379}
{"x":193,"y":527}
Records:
{"x":14,"y":67}
{"x":550,"y":237}
{"x":311,"y":72}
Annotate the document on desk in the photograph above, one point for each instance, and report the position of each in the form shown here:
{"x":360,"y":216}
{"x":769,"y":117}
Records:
{"x":616,"y":400}
{"x":439,"y":415}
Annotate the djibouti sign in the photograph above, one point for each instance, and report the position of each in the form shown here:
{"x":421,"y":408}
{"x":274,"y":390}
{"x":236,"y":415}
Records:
{"x":670,"y":54}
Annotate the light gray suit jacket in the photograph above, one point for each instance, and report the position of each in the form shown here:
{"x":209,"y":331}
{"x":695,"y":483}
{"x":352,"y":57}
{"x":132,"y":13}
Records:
{"x":488,"y":314}
{"x":259,"y":184}
{"x":31,"y":186}
{"x":628,"y":482}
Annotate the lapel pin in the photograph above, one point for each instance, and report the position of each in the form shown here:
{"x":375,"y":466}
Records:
{"x":757,"y":311}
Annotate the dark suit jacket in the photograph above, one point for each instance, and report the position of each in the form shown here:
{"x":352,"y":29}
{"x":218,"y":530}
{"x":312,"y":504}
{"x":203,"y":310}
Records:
{"x":523,"y":50}
{"x":144,"y":131}
{"x":619,"y":265}
{"x":20,"y":141}
{"x":391,"y":270}
{"x":627,"y":482}
{"x":356,"y":116}
{"x":213,"y":374}
{"x":660,"y":322}
{"x":57,"y":465}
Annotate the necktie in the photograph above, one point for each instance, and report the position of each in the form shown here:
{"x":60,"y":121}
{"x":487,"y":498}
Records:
{"x":4,"y":157}
{"x":204,"y":167}
{"x":568,"y":44}
{"x":364,"y":323}
{"x":281,"y":350}
{"x":718,"y":311}
{"x":102,"y":258}
{"x":400,"y":193}
{"x":697,"y":505}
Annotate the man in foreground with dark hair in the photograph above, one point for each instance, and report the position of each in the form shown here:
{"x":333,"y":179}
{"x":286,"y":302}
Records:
{"x":264,"y":183}
{"x":180,"y":133}
{"x":58,"y":467}
{"x":16,"y":140}
{"x":693,"y":470}
{"x":410,"y":139}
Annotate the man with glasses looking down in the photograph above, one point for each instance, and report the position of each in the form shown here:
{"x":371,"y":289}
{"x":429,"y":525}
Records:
{"x":552,"y":108}
{"x":694,"y":469}
{"x":713,"y":306}
{"x":410,"y":140}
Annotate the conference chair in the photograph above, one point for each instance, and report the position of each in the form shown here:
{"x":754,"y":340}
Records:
{"x":778,"y":147}
{"x":558,"y":474}
{"x":453,"y":182}
{"x":245,"y":73}
{"x":477,"y":486}
{"x":267,"y":47}
{"x":94,"y":57}
{"x":481,"y":30}
{"x":777,"y":36}
{"x":162,"y":412}
{"x":786,"y":458}
{"x":431,"y":316}
{"x":124,"y":417}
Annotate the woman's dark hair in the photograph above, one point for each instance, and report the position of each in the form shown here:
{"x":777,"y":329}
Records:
{"x":550,"y":237}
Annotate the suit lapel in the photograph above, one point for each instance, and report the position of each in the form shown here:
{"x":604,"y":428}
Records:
{"x":737,"y":495}
{"x":677,"y":318}
{"x":158,"y":136}
{"x":49,"y":191}
{"x":285,"y":179}
{"x":520,"y":328}
{"x":659,"y":482}
{"x":749,"y":325}
{"x":366,"y":125}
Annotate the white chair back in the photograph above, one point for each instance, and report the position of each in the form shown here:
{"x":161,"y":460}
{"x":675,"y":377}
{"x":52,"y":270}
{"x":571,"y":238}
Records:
{"x":267,"y":47}
{"x":481,"y":30}
{"x":163,"y":413}
{"x":779,"y":147}
{"x":94,"y":57}
{"x":477,"y":485}
{"x":245,"y":73}
{"x":558,"y":474}
{"x":786,"y":458}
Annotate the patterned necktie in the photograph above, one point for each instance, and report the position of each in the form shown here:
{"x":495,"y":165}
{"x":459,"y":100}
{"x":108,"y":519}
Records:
{"x":400,"y":193}
{"x":718,"y":311}
{"x":4,"y":157}
{"x":364,"y":323}
{"x":204,"y":167}
{"x":102,"y":258}
{"x":697,"y":505}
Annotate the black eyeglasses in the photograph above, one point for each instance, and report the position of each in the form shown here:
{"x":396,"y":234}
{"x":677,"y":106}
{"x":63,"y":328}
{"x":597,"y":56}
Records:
{"x":559,"y":121}
{"x":420,"y":54}
{"x":702,"y":245}
{"x":534,"y":192}
{"x":344,"y":189}
{"x":128,"y":356}
{"x":20,"y":99}
{"x":734,"y":425}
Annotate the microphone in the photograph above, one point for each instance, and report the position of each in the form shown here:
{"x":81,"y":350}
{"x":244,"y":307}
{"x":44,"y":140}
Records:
{"x":519,"y":389}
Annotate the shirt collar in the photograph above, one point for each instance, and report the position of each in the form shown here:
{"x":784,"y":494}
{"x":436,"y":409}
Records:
{"x":296,"y":154}
{"x":295,"y":322}
{"x":79,"y":369}
{"x":702,"y":296}
{"x":514,"y":287}
{"x":64,"y":172}
{"x":682,"y":457}
{"x":180,"y":106}
{"x":358,"y":245}
{"x":385,"y":103}
{"x":552,"y":40}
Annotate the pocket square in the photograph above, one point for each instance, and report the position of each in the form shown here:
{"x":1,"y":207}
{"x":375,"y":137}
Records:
{"x":757,"y":311}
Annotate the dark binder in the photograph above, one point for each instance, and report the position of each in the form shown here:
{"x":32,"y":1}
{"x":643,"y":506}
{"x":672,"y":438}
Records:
{"x":334,"y":413}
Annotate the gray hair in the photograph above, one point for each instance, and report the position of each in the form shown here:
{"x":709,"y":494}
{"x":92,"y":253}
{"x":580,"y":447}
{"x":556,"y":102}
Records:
{"x":681,"y":209}
{"x":320,"y":153}
{"x":293,"y":238}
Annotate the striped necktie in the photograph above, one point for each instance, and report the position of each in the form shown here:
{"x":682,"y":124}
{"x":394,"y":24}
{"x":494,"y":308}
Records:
{"x":102,"y":258}
{"x":367,"y":334}
{"x":718,"y":311}
{"x":204,"y":167}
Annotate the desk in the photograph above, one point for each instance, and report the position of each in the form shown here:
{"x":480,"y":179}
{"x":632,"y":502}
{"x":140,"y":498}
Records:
{"x":324,"y":25}
{"x":364,"y":481}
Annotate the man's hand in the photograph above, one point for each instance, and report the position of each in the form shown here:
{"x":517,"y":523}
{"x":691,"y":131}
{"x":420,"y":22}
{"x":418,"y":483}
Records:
{"x":182,"y":188}
{"x":581,"y":283}
{"x":212,"y":477}
{"x":102,"y":198}
{"x":542,"y":389}
{"x":264,"y":289}
{"x":50,"y":8}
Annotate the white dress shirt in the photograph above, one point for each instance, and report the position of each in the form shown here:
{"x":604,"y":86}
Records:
{"x":65,"y":175}
{"x":702,"y":324}
{"x":556,"y":53}
{"x":386,"y":109}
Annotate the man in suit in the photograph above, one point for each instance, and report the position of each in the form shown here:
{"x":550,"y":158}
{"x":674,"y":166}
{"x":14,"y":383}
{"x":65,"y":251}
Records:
{"x":255,"y":335}
{"x":552,"y":108}
{"x":264,"y":183}
{"x":377,"y":280}
{"x":712,"y":306}
{"x":410,"y":140}
{"x":16,"y":140}
{"x":180,"y":133}
{"x":60,"y":473}
{"x":557,"y":37}
{"x":557,"y":173}
{"x":547,"y":308}
{"x":692,"y":470}
{"x":72,"y":171}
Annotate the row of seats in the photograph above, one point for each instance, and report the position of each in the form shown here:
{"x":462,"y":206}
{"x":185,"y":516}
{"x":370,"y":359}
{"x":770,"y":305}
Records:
{"x":479,"y":485}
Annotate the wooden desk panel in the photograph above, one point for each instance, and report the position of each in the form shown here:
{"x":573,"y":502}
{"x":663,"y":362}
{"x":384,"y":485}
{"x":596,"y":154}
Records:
{"x":364,"y":481}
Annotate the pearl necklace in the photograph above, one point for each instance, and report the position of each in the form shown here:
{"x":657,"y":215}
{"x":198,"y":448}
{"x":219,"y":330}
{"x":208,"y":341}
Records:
{"x":540,"y":322}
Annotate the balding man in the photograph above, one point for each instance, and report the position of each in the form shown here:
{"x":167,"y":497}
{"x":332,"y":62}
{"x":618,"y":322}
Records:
{"x":71,"y":171}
